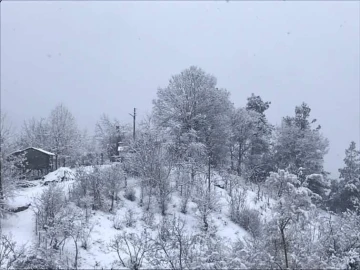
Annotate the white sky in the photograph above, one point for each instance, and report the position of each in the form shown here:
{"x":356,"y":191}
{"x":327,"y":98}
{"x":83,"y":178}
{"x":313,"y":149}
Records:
{"x":109,"y":57}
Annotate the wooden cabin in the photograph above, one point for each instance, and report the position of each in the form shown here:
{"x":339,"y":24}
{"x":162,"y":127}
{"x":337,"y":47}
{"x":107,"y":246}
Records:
{"x":36,"y":162}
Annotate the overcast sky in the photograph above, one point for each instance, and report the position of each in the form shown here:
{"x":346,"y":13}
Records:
{"x":109,"y":57}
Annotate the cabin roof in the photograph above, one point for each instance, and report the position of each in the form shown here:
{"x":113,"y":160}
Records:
{"x":37,"y":149}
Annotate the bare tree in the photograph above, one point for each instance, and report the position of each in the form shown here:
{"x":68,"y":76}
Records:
{"x":72,"y":225}
{"x":134,"y":246}
{"x":10,"y":166}
{"x":207,"y":203}
{"x":172,"y":244}
{"x":114,"y":179}
{"x":109,"y":133}
{"x":9,"y":252}
{"x":153,"y":162}
{"x":35,"y":133}
{"x":64,"y":134}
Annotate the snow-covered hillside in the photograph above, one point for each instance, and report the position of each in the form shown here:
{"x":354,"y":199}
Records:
{"x":243,"y":230}
{"x":22,"y":225}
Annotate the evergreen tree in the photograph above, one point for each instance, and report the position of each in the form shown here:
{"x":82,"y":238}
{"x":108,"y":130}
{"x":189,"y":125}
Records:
{"x":348,"y":194}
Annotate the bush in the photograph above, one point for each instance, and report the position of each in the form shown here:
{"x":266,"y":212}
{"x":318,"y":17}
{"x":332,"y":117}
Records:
{"x":117,"y":223}
{"x":130,"y":194}
{"x":249,"y":219}
{"x":148,"y":218}
{"x":237,"y":203}
{"x":39,"y":258}
{"x":130,"y":218}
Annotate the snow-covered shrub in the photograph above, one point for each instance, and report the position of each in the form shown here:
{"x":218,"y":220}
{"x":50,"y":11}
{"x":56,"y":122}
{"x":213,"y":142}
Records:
{"x":99,"y":186}
{"x":10,"y":253}
{"x":114,"y":179}
{"x":210,"y":252}
{"x":237,"y":203}
{"x":172,"y":245}
{"x":118,"y":222}
{"x":130,"y":194}
{"x":85,"y":236}
{"x":149,"y":218}
{"x":340,"y":240}
{"x":134,"y":246}
{"x":207,"y":203}
{"x":153,"y":161}
{"x":249,"y":219}
{"x":41,"y":258}
{"x":184,"y":204}
{"x":47,"y":206}
{"x":58,"y":221}
{"x":129,"y":218}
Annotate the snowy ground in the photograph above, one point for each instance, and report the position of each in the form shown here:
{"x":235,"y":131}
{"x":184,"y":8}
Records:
{"x":22,"y":224}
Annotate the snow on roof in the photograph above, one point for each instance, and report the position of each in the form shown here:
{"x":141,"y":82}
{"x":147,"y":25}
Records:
{"x":45,"y":152}
{"x":38,"y":149}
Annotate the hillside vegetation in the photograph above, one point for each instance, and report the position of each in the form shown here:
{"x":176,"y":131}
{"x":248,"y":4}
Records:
{"x":201,"y":185}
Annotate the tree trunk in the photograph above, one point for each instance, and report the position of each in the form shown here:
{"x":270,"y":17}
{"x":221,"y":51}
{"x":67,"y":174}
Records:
{"x":192,"y":175}
{"x":112,"y":202}
{"x":209,"y":172}
{"x":206,"y":225}
{"x":1,"y":191}
{"x":76,"y":254}
{"x":282,"y":230}
{"x":231,"y":159}
{"x":239,"y":160}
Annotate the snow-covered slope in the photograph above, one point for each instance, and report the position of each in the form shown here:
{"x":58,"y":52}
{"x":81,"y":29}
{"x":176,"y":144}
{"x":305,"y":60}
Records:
{"x":22,"y":225}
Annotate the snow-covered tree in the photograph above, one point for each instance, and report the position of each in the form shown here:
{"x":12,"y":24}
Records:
{"x":10,"y":251}
{"x":57,"y":133}
{"x":64,"y":133}
{"x":258,"y":163}
{"x":243,"y":129}
{"x":297,"y":146}
{"x":35,"y":133}
{"x":255,"y":103}
{"x":136,"y":247}
{"x":172,"y":245}
{"x":351,"y":171}
{"x":109,"y":133}
{"x":46,"y":208}
{"x":318,"y":184}
{"x":114,"y":180}
{"x":207,"y":203}
{"x":339,"y":240}
{"x":10,"y":166}
{"x":348,"y":194}
{"x":70,"y":225}
{"x":58,"y":221}
{"x":90,"y":189}
{"x":152,"y":160}
{"x":195,"y":113}
{"x":291,"y":212}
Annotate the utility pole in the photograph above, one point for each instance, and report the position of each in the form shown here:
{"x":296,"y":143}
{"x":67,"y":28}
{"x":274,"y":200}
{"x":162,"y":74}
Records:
{"x":134,"y":119}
